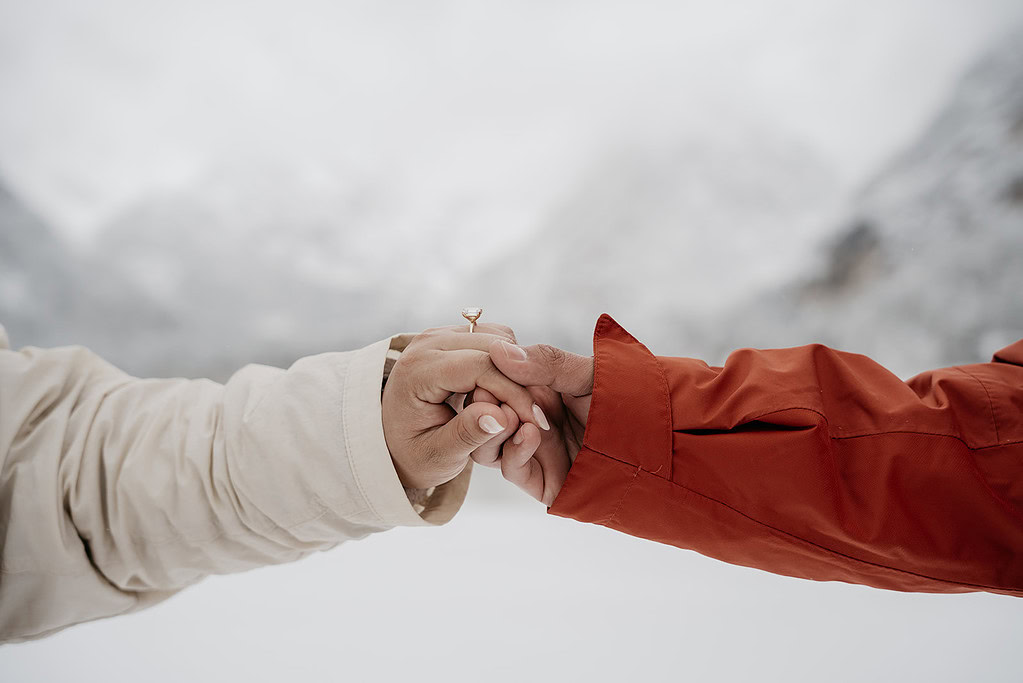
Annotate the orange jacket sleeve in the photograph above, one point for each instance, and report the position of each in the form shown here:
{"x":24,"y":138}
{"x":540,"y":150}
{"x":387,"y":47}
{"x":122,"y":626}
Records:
{"x":810,"y":462}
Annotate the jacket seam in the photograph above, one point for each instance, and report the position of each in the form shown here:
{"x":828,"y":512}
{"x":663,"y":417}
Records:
{"x":667,"y":407}
{"x":880,"y":432}
{"x":149,"y":543}
{"x":625,"y":494}
{"x":990,"y":403}
{"x":344,"y":421}
{"x":835,"y":552}
{"x":947,"y":436}
{"x":803,"y":540}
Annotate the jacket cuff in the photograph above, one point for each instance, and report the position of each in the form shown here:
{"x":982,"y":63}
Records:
{"x":371,"y":462}
{"x":629,"y":388}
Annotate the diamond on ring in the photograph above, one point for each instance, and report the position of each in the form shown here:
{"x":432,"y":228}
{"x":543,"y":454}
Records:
{"x":472,"y":315}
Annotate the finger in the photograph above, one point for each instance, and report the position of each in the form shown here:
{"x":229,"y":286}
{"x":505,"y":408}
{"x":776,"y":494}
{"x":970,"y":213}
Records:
{"x":496,"y":329}
{"x":543,"y":365}
{"x":481,"y":394}
{"x":554,"y":462}
{"x":458,"y":438}
{"x":480,"y":341}
{"x":518,"y":464}
{"x":489,"y":453}
{"x":453,"y":372}
{"x":492,"y":329}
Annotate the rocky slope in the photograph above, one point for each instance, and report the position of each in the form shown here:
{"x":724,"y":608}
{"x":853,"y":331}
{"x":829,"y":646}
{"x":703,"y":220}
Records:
{"x":928,"y":269}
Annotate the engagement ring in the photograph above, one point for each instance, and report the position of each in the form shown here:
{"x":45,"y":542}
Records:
{"x":472,"y":315}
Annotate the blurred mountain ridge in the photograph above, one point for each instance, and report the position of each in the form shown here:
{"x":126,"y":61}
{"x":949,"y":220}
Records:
{"x":928,"y":270}
{"x":263,"y":264}
{"x":698,"y":245}
{"x":53,"y":294}
{"x":653,"y":233}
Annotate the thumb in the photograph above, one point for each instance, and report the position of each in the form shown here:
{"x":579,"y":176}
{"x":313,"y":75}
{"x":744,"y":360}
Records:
{"x":474,"y":426}
{"x":543,"y":365}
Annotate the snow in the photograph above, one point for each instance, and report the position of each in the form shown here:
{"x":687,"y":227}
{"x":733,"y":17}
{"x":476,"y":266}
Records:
{"x":507,"y":593}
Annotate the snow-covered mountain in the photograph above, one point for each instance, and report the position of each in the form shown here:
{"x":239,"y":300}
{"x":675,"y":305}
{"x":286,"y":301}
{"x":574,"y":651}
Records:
{"x":688,"y":241}
{"x":53,"y":295}
{"x":267,"y":264}
{"x":928,"y":268}
{"x":36,"y":273}
{"x":662,"y":231}
{"x":253,"y":266}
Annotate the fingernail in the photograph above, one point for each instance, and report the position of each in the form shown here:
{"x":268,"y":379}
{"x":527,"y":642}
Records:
{"x":518,"y":438}
{"x":490,"y":425}
{"x":541,"y":419}
{"x":513,"y":352}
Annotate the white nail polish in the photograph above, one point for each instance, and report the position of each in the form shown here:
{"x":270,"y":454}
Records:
{"x":541,"y":419}
{"x":490,"y":425}
{"x":513,"y":352}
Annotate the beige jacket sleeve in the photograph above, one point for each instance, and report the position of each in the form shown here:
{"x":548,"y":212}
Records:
{"x":115,"y":492}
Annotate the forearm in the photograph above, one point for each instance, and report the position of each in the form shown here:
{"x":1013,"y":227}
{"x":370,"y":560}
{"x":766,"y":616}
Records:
{"x":809,"y":462}
{"x":119,"y":490}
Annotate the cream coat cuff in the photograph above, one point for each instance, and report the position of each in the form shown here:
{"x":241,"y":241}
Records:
{"x":363,"y":432}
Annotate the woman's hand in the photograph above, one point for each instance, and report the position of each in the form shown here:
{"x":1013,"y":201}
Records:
{"x":429,"y":443}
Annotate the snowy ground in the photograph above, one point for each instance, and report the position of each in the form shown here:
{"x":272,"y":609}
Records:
{"x":393,"y":146}
{"x":506,"y":593}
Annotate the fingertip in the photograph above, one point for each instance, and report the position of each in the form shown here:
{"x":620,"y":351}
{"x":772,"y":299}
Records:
{"x":503,"y":350}
{"x":531,"y":437}
{"x":490,"y":425}
{"x":522,"y":446}
{"x":489,"y":417}
{"x":541,"y":418}
{"x":511,"y":418}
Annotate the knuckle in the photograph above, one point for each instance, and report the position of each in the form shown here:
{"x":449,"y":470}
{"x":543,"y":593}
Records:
{"x":409,"y":364}
{"x":551,"y":356}
{"x":507,"y":330}
{"x":464,"y":432}
{"x":483,"y":362}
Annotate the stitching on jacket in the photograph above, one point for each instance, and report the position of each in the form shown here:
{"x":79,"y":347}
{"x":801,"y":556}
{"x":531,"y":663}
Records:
{"x":343,"y":415}
{"x":837,"y":553}
{"x":883,"y":431}
{"x":21,"y":637}
{"x":146,"y":542}
{"x":990,"y":403}
{"x":598,"y":362}
{"x":667,"y":408}
{"x":1006,"y":505}
{"x":811,"y":543}
{"x":947,"y":436}
{"x":625,"y":494}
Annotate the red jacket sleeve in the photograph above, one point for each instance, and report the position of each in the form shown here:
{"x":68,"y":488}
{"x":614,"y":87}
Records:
{"x":810,"y":462}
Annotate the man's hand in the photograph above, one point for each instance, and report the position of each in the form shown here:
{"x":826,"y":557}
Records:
{"x":562,"y":384}
{"x":429,"y":443}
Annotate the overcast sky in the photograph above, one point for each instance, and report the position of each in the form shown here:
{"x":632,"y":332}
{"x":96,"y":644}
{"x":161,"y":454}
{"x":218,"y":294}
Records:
{"x":105,"y":102}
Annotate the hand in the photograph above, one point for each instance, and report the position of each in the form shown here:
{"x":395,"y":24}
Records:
{"x":429,"y":443}
{"x":562,"y":384}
